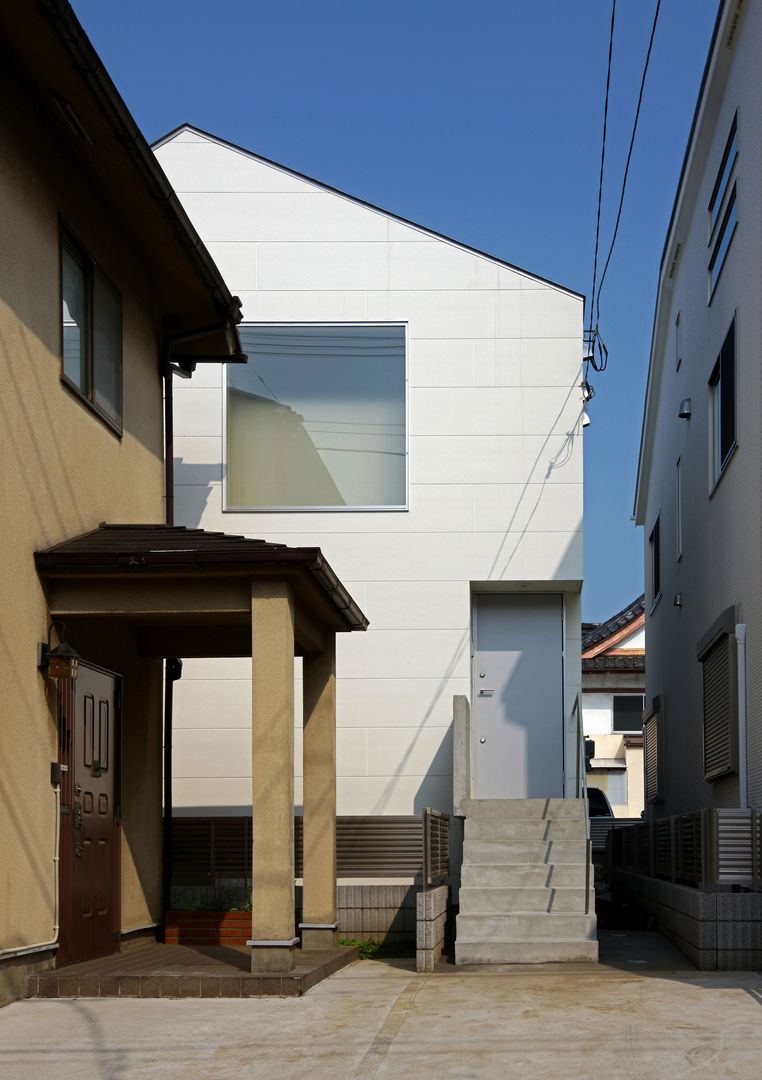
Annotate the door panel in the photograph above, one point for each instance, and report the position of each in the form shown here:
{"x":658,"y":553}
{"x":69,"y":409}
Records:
{"x":518,"y":696}
{"x":89,"y":834}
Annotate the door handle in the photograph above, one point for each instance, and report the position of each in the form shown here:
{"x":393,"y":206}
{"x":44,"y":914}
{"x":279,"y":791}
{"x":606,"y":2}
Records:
{"x":484,"y":690}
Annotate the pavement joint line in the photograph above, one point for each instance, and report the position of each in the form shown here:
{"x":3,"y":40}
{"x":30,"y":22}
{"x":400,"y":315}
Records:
{"x":386,"y":1034}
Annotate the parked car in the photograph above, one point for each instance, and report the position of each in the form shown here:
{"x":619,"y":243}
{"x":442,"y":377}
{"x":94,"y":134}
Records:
{"x":598,"y":804}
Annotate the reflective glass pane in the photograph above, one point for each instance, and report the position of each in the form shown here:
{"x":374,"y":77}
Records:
{"x":107,"y":348}
{"x":317,"y":418}
{"x":74,"y":287}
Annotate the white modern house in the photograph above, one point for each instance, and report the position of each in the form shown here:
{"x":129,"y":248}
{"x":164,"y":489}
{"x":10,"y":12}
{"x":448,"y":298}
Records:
{"x":613,"y":689}
{"x":698,"y":499}
{"x":411,"y":406}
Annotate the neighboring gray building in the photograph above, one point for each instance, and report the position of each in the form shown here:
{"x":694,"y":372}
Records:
{"x":698,"y":499}
{"x":698,"y":487}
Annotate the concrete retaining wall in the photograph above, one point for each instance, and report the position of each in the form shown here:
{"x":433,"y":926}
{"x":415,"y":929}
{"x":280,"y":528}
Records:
{"x":715,"y":930}
{"x":431,"y":912}
{"x":381,"y":913}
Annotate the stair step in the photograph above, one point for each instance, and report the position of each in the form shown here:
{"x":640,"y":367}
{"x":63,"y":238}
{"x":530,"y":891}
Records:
{"x":500,"y":901}
{"x":520,"y":829}
{"x":525,"y":926}
{"x":526,"y":952}
{"x":500,"y":852}
{"x":532,"y":809}
{"x":523,"y":876}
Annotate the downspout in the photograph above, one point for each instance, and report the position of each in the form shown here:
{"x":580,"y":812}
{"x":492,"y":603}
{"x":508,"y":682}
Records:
{"x":173,"y":669}
{"x":743,"y":795}
{"x":169,"y":442}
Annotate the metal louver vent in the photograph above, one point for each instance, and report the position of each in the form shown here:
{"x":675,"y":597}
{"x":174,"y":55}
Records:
{"x":652,"y":752}
{"x":719,"y":708}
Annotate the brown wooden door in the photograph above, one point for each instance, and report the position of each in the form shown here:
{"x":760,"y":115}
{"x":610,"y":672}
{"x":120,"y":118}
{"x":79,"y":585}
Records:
{"x":89,"y":724}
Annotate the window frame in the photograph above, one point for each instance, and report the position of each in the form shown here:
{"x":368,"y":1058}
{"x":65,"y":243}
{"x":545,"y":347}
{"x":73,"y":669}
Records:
{"x":722,"y":244}
{"x":719,"y":748}
{"x":229,"y":507}
{"x":653,"y":752}
{"x":627,"y":694}
{"x":92,"y":273}
{"x":654,"y":548}
{"x":722,"y":180}
{"x":722,"y":403}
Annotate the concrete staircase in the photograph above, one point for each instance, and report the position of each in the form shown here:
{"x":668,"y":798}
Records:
{"x":523,"y":883}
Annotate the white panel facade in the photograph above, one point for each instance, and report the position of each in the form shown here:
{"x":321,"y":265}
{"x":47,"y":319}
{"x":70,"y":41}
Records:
{"x":494,"y":445}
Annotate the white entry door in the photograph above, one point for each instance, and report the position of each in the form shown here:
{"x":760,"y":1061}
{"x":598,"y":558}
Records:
{"x":518,"y":696}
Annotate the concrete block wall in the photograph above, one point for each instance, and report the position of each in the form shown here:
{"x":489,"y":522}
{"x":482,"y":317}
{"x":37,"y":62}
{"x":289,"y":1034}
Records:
{"x":716,"y":931}
{"x":380,"y":913}
{"x":431,"y":917}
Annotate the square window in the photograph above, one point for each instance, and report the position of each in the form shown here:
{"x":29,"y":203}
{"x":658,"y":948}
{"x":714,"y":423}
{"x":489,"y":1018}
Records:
{"x":628,"y":712}
{"x":316,"y":420}
{"x":91,"y":332}
{"x":722,"y":407}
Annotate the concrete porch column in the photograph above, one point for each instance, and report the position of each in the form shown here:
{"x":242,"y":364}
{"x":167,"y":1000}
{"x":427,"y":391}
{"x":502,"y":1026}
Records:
{"x":320,"y":928}
{"x":272,"y":777}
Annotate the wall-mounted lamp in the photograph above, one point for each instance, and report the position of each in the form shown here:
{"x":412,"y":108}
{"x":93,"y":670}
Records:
{"x":61,"y":662}
{"x":677,"y":599}
{"x":684,"y":412}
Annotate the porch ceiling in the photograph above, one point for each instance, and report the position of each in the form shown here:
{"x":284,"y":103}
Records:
{"x":188,"y":592}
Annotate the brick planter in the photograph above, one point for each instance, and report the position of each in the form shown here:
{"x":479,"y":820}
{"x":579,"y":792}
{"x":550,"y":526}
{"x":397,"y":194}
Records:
{"x":208,"y":927}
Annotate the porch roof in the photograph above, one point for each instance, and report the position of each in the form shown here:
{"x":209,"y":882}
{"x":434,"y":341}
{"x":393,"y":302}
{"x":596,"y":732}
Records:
{"x":179,"y":586}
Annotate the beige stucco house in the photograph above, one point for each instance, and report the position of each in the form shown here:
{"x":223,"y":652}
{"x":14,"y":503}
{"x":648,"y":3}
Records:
{"x":106,"y":292}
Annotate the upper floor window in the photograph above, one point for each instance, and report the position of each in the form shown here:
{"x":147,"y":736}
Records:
{"x":654,"y":551}
{"x":722,"y":407}
{"x":91,"y":332}
{"x":723,"y":176}
{"x":724,"y":236}
{"x":317,"y":419}
{"x":723,"y":208}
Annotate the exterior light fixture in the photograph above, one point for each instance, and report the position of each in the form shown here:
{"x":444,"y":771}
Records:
{"x":61,"y":662}
{"x":684,"y":412}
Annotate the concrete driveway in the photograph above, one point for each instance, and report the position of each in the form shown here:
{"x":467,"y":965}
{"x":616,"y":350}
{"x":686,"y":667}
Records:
{"x":641,"y":1013}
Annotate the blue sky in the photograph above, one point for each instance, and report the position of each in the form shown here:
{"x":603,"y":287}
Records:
{"x":481,"y":120}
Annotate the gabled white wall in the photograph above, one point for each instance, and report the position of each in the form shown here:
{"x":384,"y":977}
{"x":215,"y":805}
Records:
{"x":495,"y":469}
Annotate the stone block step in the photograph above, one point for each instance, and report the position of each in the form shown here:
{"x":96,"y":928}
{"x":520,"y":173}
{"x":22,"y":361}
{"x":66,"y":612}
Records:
{"x":526,"y":952}
{"x":532,"y":809}
{"x":516,"y":875}
{"x":502,"y":901}
{"x":520,"y":829}
{"x":525,"y":926}
{"x":500,"y":852}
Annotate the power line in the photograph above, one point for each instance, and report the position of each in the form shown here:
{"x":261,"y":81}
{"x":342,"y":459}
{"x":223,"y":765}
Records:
{"x":627,"y":166}
{"x":603,"y":157}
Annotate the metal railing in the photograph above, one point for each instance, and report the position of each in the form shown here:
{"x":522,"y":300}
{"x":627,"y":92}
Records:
{"x":708,"y":849}
{"x":581,"y":793}
{"x":436,"y":847}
